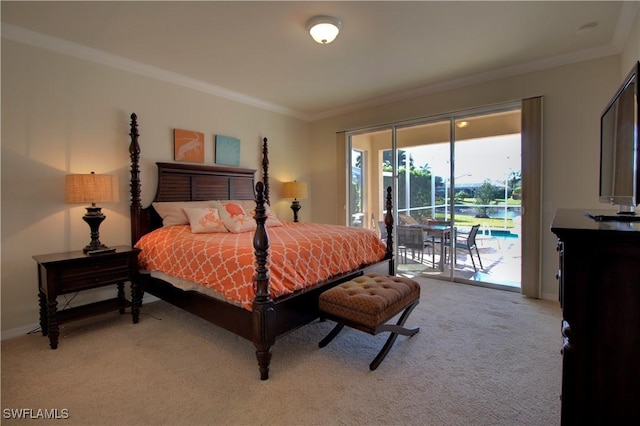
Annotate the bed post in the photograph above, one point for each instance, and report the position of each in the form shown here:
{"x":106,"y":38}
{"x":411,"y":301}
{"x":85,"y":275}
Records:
{"x":263,"y":306}
{"x":265,"y":170}
{"x":388,"y":222}
{"x":134,"y":153}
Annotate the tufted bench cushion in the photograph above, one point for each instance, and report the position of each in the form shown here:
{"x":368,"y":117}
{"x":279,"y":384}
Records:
{"x":367,"y":303}
{"x":370,"y":299}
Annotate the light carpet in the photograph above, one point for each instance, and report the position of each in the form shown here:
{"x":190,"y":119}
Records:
{"x":482,"y":357}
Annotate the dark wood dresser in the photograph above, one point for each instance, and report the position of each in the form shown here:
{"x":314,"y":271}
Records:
{"x":599,"y":279}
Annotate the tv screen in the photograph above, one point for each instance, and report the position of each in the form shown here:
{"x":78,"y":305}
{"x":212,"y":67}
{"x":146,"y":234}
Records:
{"x":619,"y":148}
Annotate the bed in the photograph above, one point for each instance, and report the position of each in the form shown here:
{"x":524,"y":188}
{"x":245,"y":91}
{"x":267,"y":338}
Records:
{"x":267,"y":314}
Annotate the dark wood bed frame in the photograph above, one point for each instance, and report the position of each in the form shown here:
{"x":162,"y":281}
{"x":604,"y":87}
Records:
{"x":270,"y":318}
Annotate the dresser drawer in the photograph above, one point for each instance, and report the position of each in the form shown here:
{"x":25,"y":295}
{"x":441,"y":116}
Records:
{"x":93,"y":274}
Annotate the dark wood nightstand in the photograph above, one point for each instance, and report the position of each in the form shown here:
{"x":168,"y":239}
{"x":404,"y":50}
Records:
{"x":62,"y":273}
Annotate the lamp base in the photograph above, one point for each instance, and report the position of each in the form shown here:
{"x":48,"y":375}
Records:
{"x":295,"y":206}
{"x":94,"y":218}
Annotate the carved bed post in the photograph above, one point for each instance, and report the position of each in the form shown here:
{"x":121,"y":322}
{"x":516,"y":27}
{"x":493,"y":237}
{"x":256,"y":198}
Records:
{"x":137,"y":287}
{"x":263,"y":306}
{"x":134,"y":153}
{"x":388,"y":222}
{"x":265,"y":170}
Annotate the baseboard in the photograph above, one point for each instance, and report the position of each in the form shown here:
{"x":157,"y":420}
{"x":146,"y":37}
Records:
{"x":26,"y":329}
{"x":19,"y":331}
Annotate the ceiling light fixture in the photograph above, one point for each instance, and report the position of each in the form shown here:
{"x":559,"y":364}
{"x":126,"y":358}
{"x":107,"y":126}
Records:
{"x":324,"y":29}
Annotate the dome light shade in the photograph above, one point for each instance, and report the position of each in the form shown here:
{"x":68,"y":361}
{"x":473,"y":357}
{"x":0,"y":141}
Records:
{"x":324,"y":29}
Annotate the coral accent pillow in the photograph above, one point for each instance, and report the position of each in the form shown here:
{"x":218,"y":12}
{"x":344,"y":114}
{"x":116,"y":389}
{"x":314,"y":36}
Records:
{"x":235,"y":218}
{"x":205,"y":220}
{"x":249,"y":207}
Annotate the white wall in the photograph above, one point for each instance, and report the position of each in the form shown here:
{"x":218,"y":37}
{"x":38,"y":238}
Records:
{"x":64,"y":115}
{"x":631,"y":49}
{"x":574,"y":96}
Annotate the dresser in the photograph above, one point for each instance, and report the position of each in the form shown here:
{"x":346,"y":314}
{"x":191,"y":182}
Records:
{"x":599,"y":279}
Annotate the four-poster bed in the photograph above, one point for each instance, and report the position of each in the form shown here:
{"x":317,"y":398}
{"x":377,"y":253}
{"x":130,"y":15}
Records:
{"x":267,"y":317}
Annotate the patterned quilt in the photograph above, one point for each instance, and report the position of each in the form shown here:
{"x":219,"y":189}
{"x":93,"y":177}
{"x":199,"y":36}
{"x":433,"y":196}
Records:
{"x":300,"y":254}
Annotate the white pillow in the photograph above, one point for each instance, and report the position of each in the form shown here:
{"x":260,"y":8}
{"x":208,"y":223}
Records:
{"x":205,"y":220}
{"x":172,"y":212}
{"x":235,"y":218}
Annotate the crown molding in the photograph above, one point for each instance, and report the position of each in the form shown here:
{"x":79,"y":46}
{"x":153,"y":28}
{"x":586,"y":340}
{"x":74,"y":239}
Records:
{"x":628,"y":13}
{"x":556,"y":61}
{"x":43,"y":41}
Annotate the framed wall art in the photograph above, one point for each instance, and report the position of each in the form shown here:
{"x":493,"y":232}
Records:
{"x":188,"y":146}
{"x":227,"y":150}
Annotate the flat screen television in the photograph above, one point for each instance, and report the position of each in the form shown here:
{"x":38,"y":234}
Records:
{"x":620,"y":151}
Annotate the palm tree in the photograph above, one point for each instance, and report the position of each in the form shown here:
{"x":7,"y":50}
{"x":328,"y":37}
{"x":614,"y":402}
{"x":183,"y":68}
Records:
{"x":485,"y":194}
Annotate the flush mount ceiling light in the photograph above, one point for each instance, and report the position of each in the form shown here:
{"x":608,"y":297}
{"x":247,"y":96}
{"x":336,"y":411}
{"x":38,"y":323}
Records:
{"x":324,"y":29}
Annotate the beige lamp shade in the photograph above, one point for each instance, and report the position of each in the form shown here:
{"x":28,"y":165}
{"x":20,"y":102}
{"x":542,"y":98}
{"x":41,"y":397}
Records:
{"x":296,"y":190}
{"x":91,"y":188}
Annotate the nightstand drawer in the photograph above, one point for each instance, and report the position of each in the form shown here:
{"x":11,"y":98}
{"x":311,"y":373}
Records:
{"x":94,"y":274}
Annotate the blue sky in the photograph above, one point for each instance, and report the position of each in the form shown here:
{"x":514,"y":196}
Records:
{"x":476,"y":159}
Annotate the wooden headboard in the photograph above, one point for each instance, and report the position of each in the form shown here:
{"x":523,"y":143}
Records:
{"x":184,"y":182}
{"x":194,"y":182}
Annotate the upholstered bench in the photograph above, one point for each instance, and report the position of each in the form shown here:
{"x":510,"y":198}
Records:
{"x":366,"y":303}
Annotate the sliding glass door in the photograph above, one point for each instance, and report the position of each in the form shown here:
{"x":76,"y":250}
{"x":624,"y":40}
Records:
{"x":371,"y":173}
{"x":457,"y":186}
{"x":423,"y":196}
{"x":486,"y":198}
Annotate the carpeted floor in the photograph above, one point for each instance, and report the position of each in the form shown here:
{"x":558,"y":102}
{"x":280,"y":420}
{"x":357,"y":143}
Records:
{"x":482,"y":357}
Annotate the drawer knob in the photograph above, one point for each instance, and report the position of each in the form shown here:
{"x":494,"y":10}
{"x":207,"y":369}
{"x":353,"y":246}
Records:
{"x":567,"y":335}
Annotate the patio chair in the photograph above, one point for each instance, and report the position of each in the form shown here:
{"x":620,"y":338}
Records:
{"x":467,"y":242}
{"x":383,"y":230}
{"x":484,"y":234}
{"x":412,"y":238}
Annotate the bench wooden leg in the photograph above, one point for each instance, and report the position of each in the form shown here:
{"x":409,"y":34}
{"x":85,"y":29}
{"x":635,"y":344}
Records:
{"x":333,"y":333}
{"x":395,"y":330}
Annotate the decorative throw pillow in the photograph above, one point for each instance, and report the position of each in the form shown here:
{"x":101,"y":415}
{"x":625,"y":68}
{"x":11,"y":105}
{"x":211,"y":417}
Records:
{"x":249,"y":206}
{"x":272,"y":220}
{"x":235,"y":218}
{"x":172,"y":212}
{"x":205,"y":220}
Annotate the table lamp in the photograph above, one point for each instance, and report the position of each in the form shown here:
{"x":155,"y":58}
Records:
{"x":92,"y":188}
{"x":297,"y":191}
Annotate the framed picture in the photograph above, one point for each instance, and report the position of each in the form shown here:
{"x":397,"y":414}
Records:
{"x":188,"y":145}
{"x":227,"y":150}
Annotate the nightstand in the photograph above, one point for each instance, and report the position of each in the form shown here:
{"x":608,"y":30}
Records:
{"x":70,"y":272}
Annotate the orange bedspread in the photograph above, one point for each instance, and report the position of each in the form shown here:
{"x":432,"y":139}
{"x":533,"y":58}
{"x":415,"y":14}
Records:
{"x":300,"y":254}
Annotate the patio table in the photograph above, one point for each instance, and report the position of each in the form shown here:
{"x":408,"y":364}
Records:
{"x":442,"y":232}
